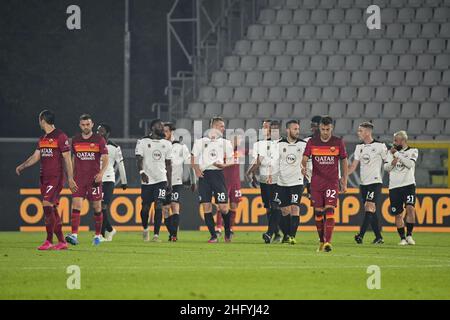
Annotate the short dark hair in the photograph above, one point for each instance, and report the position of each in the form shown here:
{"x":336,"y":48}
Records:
{"x":47,"y":116}
{"x":367,"y":125}
{"x":85,"y":116}
{"x":106,"y":126}
{"x":291,"y":122}
{"x":275,"y":123}
{"x":316,"y":119}
{"x":170,"y":125}
{"x":154,"y":121}
{"x":215,"y":119}
{"x":326,"y":120}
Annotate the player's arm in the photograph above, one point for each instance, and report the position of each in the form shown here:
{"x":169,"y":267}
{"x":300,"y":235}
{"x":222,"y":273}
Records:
{"x":352,"y":167}
{"x":344,"y":178}
{"x":169,"y":173}
{"x":140,"y":165}
{"x":104,"y":165}
{"x":303,"y":165}
{"x":122,"y":172}
{"x":391,"y":161}
{"x":405,"y":160}
{"x":69,"y":171}
{"x":196,"y":167}
{"x":32,"y":160}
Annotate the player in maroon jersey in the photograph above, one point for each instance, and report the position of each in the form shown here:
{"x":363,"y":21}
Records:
{"x":326,"y":151}
{"x":233,"y":183}
{"x":90,"y":163}
{"x":52,"y":150}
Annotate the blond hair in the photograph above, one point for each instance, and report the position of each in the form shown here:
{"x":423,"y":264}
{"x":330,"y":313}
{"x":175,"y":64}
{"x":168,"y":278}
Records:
{"x":401,"y":134}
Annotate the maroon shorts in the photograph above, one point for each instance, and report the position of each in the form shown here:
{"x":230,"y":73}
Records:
{"x":322,"y":197}
{"x":51,"y":187}
{"x":88,"y":190}
{"x":234,"y":193}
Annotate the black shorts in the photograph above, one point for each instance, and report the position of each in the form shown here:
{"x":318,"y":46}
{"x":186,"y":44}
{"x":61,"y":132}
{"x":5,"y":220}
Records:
{"x":212,"y":184}
{"x":107,"y":189}
{"x":371,"y":192}
{"x":173,"y":196}
{"x":287,"y":196}
{"x":401,"y":197}
{"x":267,"y":194}
{"x":153,"y":192}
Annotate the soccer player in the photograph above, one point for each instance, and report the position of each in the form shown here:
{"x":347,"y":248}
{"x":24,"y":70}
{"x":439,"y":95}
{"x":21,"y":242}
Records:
{"x":371,"y":154}
{"x":264,"y":159}
{"x":154,"y":154}
{"x":90,"y":163}
{"x":53,"y":151}
{"x":180,"y":156}
{"x":289,"y":188}
{"x":233,"y":183}
{"x":109,"y":179}
{"x":210,"y":155}
{"x":401,"y":163}
{"x":326,"y":151}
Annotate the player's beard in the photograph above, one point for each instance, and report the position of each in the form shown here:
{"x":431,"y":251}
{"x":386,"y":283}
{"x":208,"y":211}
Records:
{"x":87,"y":132}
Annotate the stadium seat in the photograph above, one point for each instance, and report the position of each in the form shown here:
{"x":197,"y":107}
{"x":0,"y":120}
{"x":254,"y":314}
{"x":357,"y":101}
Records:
{"x":289,"y":31}
{"x":265,"y":110}
{"x":330,"y":94}
{"x":341,"y":78}
{"x":395,"y":77}
{"x":236,"y":124}
{"x":252,"y":124}
{"x":236,"y":78}
{"x":391,"y":110}
{"x":444,"y":30}
{"x":366,"y":94}
{"x":422,"y":176}
{"x":413,"y":78}
{"x":400,"y":46}
{"x":411,"y":30}
{"x":301,"y":16}
{"x":324,"y":31}
{"x":348,"y":94}
{"x":277,"y":4}
{"x":425,"y":62}
{"x":443,"y":62}
{"x":277,"y":94}
{"x":259,"y":94}
{"x":406,"y":15}
{"x":318,"y":62}
{"x":311,"y":47}
{"x":428,"y":110}
{"x":310,"y":4}
{"x":444,"y":110}
{"x":324,"y":78}
{"x":283,"y":63}
{"x":248,"y":63}
{"x":207,"y":94}
{"x":388,"y":15}
{"x":397,"y":3}
{"x":342,"y":126}
{"x":429,"y":30}
{"x":395,"y":30}
{"x":301,"y":110}
{"x":288,"y":78}
{"x":219,"y":78}
{"x":272,"y":32}
{"x":283,"y":110}
{"x":410,"y":110}
{"x":341,"y":31}
{"x":418,"y":46}
{"x":446,"y":78}
{"x":253,"y":78}
{"x":300,"y":63}
{"x":230,"y":63}
{"x":255,"y":32}
{"x":230,"y":110}
{"x":276,"y":47}
{"x":283,"y":16}
{"x":372,"y":62}
{"x":353,"y":62}
{"x":265,"y":63}
{"x":345,"y":4}
{"x":267,"y":16}
{"x":329,"y":46}
{"x":382,"y":46}
{"x":224,"y":94}
{"x":364,"y":46}
{"x":355,"y":110}
{"x":389,"y":62}
{"x":306,"y":78}
{"x":420,"y":94}
{"x":431,"y":160}
{"x":259,"y":47}
{"x":337,"y":110}
{"x":373,"y":110}
{"x":441,"y":14}
{"x":436,"y":46}
{"x":431,"y":78}
{"x":407,"y":62}
{"x":384,"y":94}
{"x":293,"y":4}
{"x":318,"y":16}
{"x":241,"y":94}
{"x":336,"y":62}
{"x":402,"y":94}
{"x":415,"y":126}
{"x":271,"y":78}
{"x":447,"y":127}
{"x":294,"y":94}
{"x":213,"y":109}
{"x":439,"y":94}
{"x":243,"y":47}
{"x":294,"y":47}
{"x":347,"y":46}
{"x":360,"y":78}
{"x":396,"y":125}
{"x":248,"y":110}
{"x":327,"y":4}
{"x":380,"y":126}
{"x":312,"y":94}
{"x":184,"y":124}
{"x":195,"y":110}
{"x":358,"y":31}
{"x":353,"y":15}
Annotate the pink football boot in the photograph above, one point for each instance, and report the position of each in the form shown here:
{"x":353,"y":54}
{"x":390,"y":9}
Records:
{"x":47,"y":245}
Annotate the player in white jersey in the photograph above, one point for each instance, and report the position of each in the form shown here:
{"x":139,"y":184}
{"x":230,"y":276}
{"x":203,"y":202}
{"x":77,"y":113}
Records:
{"x":289,"y":188}
{"x":180,"y":157}
{"x":264,"y":160}
{"x":401,"y":163}
{"x":315,"y":122}
{"x":109,"y":179}
{"x":210,"y":155}
{"x":370,"y":154}
{"x":154,"y":154}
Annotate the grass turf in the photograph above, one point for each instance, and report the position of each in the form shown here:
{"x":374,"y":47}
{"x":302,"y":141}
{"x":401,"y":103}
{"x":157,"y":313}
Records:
{"x":128,"y":268}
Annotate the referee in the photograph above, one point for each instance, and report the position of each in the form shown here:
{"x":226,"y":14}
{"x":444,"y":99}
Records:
{"x":210,"y":155}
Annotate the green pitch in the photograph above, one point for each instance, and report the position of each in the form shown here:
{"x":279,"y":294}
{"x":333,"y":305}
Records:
{"x":128,"y":268}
